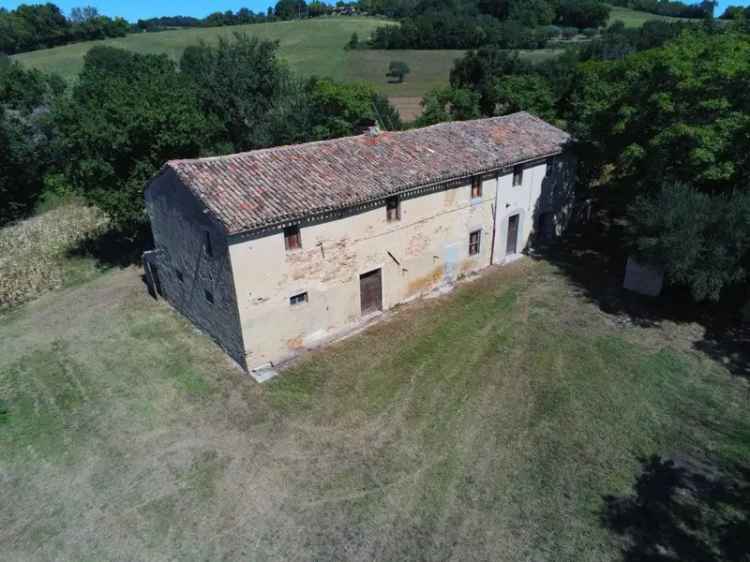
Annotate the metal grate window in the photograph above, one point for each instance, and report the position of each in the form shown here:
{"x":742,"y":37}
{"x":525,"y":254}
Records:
{"x":298,"y":299}
{"x":474,"y":242}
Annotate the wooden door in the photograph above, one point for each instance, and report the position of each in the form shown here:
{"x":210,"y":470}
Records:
{"x":371,"y":291}
{"x":512,"y":243}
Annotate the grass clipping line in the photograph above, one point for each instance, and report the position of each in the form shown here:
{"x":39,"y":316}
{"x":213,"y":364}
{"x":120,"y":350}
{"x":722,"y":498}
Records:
{"x":34,"y":253}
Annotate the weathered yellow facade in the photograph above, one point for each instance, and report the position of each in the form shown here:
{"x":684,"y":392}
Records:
{"x":427,"y":247}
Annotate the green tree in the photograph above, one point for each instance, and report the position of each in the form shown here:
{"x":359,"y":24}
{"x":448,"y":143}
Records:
{"x":701,"y":240}
{"x":528,"y":92}
{"x":449,"y":104}
{"x":23,"y":155}
{"x":290,"y":9}
{"x":128,"y":114}
{"x":532,"y":12}
{"x":583,"y":13}
{"x":238,"y":83}
{"x":353,"y":41}
{"x":25,"y":136}
{"x":398,"y":70}
{"x":339,"y":109}
{"x":675,"y":115}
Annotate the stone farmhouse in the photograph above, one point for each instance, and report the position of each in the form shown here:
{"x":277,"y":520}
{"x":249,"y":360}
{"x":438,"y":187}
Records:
{"x":276,"y":250}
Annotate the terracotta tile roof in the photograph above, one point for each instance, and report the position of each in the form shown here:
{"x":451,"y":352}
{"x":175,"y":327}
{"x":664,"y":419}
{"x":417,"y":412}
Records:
{"x":269,"y":186}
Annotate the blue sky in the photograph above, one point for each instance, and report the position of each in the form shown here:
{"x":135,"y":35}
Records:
{"x":135,"y":9}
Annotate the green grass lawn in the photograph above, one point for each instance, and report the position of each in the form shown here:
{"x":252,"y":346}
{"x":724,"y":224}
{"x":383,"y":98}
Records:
{"x":490,"y":424}
{"x":634,"y":18}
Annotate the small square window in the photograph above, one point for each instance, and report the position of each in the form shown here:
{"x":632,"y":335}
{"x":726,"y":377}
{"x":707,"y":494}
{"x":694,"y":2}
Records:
{"x":180,"y":277}
{"x":207,"y":243}
{"x":298,"y":299}
{"x":292,"y":238}
{"x":476,"y":187}
{"x":393,"y":209}
{"x":474,"y":242}
{"x":209,"y":296}
{"x":517,"y":176}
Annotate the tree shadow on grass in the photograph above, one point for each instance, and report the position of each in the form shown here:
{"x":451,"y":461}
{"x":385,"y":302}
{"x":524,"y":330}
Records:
{"x":114,"y":247}
{"x":682,"y":510}
{"x":593,"y":257}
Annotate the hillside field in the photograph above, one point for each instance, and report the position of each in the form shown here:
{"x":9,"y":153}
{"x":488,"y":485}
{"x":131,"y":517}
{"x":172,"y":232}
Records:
{"x":634,"y":18}
{"x":314,"y":46}
{"x":311,"y":47}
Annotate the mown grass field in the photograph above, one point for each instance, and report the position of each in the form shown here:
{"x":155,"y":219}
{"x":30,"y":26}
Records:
{"x":490,"y":424}
{"x":311,"y":47}
{"x":314,"y":46}
{"x":634,"y":18}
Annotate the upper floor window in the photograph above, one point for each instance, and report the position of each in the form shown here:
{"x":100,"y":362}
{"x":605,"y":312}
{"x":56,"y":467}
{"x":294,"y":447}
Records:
{"x":298,"y":299}
{"x":393,"y":209}
{"x":517,"y":176}
{"x":476,"y":187}
{"x":475,"y":239}
{"x":292,"y":238}
{"x":207,"y":243}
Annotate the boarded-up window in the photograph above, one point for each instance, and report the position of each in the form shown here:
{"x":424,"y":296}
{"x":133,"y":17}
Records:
{"x":209,"y":247}
{"x":298,"y":299}
{"x":292,"y":238}
{"x":209,"y":296}
{"x":393,"y":209}
{"x":474,"y":242}
{"x":476,"y":187}
{"x":517,"y":176}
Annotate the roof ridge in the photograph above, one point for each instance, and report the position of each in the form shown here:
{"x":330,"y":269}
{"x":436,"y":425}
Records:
{"x":281,"y":147}
{"x":251,"y":189}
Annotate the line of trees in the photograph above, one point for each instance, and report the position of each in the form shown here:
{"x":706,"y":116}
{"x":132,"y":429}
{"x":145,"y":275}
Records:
{"x":469,"y":24}
{"x":40,"y":26}
{"x":655,"y":129}
{"x":282,"y":11}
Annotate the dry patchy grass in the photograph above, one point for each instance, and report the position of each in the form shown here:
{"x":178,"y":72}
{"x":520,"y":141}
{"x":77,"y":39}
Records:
{"x":486,"y":425}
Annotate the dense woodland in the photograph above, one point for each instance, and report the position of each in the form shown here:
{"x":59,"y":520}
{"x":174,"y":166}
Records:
{"x":40,"y":26}
{"x":661,"y":116}
{"x":469,"y":24}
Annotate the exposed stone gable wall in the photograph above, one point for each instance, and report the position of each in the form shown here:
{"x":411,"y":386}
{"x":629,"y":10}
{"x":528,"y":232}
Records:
{"x":179,"y":225}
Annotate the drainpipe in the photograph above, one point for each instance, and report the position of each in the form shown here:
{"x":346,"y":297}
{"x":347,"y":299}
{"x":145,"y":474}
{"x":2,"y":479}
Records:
{"x":494,"y":218}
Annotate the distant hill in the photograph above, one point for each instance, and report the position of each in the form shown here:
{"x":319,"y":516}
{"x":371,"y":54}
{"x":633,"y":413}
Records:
{"x":313,"y":46}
